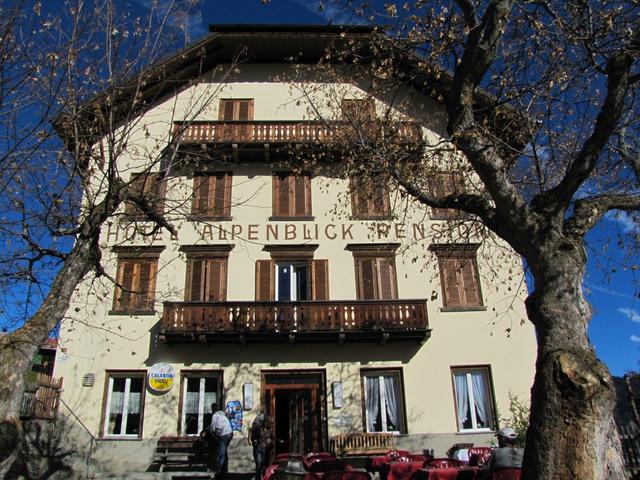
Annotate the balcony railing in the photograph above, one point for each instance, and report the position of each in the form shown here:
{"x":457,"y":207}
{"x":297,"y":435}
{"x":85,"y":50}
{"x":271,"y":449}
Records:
{"x":294,"y":132}
{"x":376,"y":320}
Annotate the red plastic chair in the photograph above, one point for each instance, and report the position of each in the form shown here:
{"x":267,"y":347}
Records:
{"x":419,"y":457}
{"x":443,"y":463}
{"x":312,"y":458}
{"x":270,"y":472}
{"x":397,"y":454}
{"x":347,"y":475}
{"x":478,"y":456}
{"x":505,"y":474}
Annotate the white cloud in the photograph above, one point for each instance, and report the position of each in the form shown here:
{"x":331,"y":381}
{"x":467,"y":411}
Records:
{"x":631,"y":314}
{"x":627,"y":222}
{"x":635,"y":338}
{"x":608,"y":291}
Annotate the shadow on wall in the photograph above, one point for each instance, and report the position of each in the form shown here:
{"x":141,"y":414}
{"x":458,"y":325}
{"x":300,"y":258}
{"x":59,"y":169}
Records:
{"x":278,"y":353}
{"x":48,"y":451}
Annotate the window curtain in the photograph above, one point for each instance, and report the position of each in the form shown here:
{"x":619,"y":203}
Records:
{"x":209,"y":398}
{"x":372,"y":401}
{"x":391,"y":398}
{"x":117,"y":402}
{"x":481,"y":399}
{"x":133,"y":406}
{"x":191,"y":403}
{"x":462,"y":398}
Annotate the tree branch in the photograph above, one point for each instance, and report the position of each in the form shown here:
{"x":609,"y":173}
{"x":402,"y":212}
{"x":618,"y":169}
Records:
{"x":588,"y":211}
{"x":479,"y":148}
{"x":558,"y":198}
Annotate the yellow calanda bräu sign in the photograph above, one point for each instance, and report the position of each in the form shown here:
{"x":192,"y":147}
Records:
{"x":161,"y":377}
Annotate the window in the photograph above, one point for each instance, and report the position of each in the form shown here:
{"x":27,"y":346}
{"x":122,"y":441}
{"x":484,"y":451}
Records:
{"x":368,"y":202}
{"x":442,"y":185}
{"x":473,"y":399}
{"x":292,"y":281}
{"x":236,"y":109}
{"x":291,"y":195}
{"x":358,"y":110}
{"x":151,"y":186}
{"x":375,"y":267}
{"x":199,"y":391}
{"x":212,"y":195}
{"x":290,"y":277}
{"x":136,"y":280}
{"x":124,"y":405}
{"x":383,"y":401}
{"x":459,"y":275}
{"x":206,"y":279}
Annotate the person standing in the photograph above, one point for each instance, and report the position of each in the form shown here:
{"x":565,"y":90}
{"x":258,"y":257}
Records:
{"x":253,"y":438}
{"x":222,"y":434}
{"x":265,"y":442}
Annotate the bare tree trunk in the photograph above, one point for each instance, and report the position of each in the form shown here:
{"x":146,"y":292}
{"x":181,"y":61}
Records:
{"x":571,"y":432}
{"x":18,"y":348}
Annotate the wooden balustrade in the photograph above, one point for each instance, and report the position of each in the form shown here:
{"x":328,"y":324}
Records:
{"x":41,"y":398}
{"x":188,"y":321}
{"x":294,"y":131}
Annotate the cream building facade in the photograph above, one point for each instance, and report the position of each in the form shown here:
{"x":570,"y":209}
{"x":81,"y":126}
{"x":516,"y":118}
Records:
{"x":335,"y":309}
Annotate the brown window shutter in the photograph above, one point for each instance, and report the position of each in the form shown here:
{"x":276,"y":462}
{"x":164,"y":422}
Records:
{"x":471,"y":285}
{"x":365,"y":270}
{"x":143,"y":288}
{"x":196,"y":280}
{"x":216,"y":275}
{"x":358,"y":199}
{"x":243,"y":110}
{"x":137,"y":186}
{"x":226,"y":197}
{"x":386,"y":278}
{"x":450,"y":285}
{"x":226,"y":110}
{"x":283,"y":190}
{"x":159,"y":193}
{"x":122,"y":300}
{"x":300,"y":196}
{"x":217,"y":197}
{"x":265,"y":284}
{"x":201,"y":189}
{"x":320,"y":279}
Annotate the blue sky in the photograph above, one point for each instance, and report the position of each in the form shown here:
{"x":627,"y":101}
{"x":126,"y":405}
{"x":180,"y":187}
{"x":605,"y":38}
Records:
{"x":615,"y":328}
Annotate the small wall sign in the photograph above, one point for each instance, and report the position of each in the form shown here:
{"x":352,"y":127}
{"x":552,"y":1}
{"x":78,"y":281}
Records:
{"x":161,"y":377}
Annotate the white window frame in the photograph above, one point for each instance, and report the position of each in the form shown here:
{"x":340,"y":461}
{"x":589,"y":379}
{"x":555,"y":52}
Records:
{"x":293,"y":279}
{"x":471,"y":397}
{"x":202,"y":408}
{"x":383,"y":401}
{"x":125,"y":406}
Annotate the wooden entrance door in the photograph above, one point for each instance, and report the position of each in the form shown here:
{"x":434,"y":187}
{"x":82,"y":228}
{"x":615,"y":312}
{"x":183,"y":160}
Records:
{"x":297,"y":413}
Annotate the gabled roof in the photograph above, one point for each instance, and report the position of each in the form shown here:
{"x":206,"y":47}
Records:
{"x":301,"y":44}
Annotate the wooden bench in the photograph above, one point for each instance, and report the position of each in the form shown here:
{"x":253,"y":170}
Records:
{"x":181,"y":453}
{"x":363,"y":443}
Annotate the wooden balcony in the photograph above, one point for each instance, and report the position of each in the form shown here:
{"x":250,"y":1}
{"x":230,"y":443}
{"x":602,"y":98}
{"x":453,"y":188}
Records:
{"x":41,"y":398}
{"x":293,"y":132}
{"x":339,"y":321}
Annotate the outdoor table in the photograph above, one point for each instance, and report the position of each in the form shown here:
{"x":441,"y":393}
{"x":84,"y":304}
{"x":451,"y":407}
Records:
{"x":399,"y":470}
{"x":462,"y":473}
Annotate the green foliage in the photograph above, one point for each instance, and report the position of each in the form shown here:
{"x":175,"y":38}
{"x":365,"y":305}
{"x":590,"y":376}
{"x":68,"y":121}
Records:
{"x":518,"y":417}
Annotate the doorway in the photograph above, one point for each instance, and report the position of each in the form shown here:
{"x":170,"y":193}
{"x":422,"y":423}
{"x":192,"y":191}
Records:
{"x":296,"y":401}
